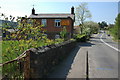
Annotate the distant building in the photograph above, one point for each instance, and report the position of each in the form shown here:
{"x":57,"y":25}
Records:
{"x":53,"y":23}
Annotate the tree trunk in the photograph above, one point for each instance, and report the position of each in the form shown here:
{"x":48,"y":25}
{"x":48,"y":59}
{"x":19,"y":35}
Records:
{"x":81,"y":30}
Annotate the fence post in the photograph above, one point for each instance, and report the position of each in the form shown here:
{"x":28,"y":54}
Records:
{"x":87,"y":66}
{"x":27,"y":66}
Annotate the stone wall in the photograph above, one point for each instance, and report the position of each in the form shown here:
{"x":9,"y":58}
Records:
{"x":43,"y":59}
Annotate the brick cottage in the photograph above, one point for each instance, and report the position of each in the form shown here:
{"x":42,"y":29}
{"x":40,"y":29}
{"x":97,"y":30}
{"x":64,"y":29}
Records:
{"x":53,"y":23}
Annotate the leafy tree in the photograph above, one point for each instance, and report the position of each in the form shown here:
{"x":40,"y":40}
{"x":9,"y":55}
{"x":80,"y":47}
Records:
{"x":28,"y":34}
{"x":103,"y":24}
{"x":91,"y":27}
{"x":115,"y":30}
{"x":82,"y":13}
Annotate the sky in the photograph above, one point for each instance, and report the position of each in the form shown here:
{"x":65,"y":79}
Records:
{"x":101,"y":11}
{"x":119,"y":7}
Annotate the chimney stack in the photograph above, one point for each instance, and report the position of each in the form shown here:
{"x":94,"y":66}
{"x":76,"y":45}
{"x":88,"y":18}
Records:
{"x":72,"y":10}
{"x":33,"y":11}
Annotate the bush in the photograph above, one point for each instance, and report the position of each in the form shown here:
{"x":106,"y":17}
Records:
{"x":63,"y":33}
{"x":114,"y":31}
{"x":57,"y":41}
{"x":80,"y":37}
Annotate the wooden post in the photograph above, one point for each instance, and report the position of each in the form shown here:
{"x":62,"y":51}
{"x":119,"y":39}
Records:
{"x":27,"y":66}
{"x":87,"y":67}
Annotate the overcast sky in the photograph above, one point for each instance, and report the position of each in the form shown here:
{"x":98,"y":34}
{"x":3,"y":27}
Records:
{"x":101,"y":11}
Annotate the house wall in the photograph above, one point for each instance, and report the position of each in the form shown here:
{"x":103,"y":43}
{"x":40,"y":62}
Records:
{"x":52,"y":30}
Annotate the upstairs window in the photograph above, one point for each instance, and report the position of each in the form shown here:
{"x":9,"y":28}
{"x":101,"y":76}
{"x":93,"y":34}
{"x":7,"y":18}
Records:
{"x":57,"y":23}
{"x":44,"y":22}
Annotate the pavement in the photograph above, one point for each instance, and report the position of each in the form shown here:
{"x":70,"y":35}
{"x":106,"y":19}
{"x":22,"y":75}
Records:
{"x":74,"y":66}
{"x":102,"y":60}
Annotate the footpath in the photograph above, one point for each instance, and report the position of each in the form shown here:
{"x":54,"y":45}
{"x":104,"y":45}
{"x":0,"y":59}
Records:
{"x":74,"y":66}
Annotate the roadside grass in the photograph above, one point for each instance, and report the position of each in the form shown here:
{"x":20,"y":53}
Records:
{"x":115,"y":37}
{"x":116,"y":40}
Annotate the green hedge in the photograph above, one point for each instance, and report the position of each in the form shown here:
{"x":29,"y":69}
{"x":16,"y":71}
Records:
{"x":81,"y":37}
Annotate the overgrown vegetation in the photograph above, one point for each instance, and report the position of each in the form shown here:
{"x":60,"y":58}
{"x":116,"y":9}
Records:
{"x":12,"y":49}
{"x":82,"y":13}
{"x":86,"y":27}
{"x":28,"y":34}
{"x":63,"y":33}
{"x":80,"y":37}
{"x":114,"y":31}
{"x":90,"y":28}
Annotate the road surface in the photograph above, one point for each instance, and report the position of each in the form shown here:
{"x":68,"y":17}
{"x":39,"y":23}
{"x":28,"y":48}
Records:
{"x":102,"y":60}
{"x":103,"y":57}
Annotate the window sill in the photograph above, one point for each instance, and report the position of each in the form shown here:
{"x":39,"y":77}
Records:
{"x":57,"y":26}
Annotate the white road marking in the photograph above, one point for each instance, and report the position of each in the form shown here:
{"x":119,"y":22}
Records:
{"x":108,"y":44}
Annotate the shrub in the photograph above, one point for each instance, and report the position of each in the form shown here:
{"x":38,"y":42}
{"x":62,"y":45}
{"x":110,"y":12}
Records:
{"x":114,"y":31}
{"x":63,"y":33}
{"x":57,"y":41}
{"x":27,"y":34}
{"x":80,"y":37}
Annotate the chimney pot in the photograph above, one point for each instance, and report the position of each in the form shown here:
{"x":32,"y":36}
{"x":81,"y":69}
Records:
{"x":72,"y":10}
{"x":33,"y":11}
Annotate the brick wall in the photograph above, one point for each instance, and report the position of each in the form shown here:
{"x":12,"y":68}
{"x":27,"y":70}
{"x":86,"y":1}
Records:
{"x":52,"y":29}
{"x":51,"y":25}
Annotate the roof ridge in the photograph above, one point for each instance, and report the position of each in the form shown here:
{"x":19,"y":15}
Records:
{"x":53,"y":13}
{"x":52,"y":16}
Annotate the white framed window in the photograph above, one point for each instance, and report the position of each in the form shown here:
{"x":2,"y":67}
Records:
{"x":57,"y":23}
{"x":44,"y":22}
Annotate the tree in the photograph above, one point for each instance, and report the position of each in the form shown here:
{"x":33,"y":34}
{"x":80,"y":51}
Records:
{"x":115,"y":30}
{"x":27,"y":34}
{"x":103,"y":24}
{"x":82,"y":13}
{"x":91,"y":27}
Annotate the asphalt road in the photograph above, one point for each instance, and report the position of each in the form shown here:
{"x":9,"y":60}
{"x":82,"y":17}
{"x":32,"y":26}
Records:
{"x":103,"y":57}
{"x":102,"y":60}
